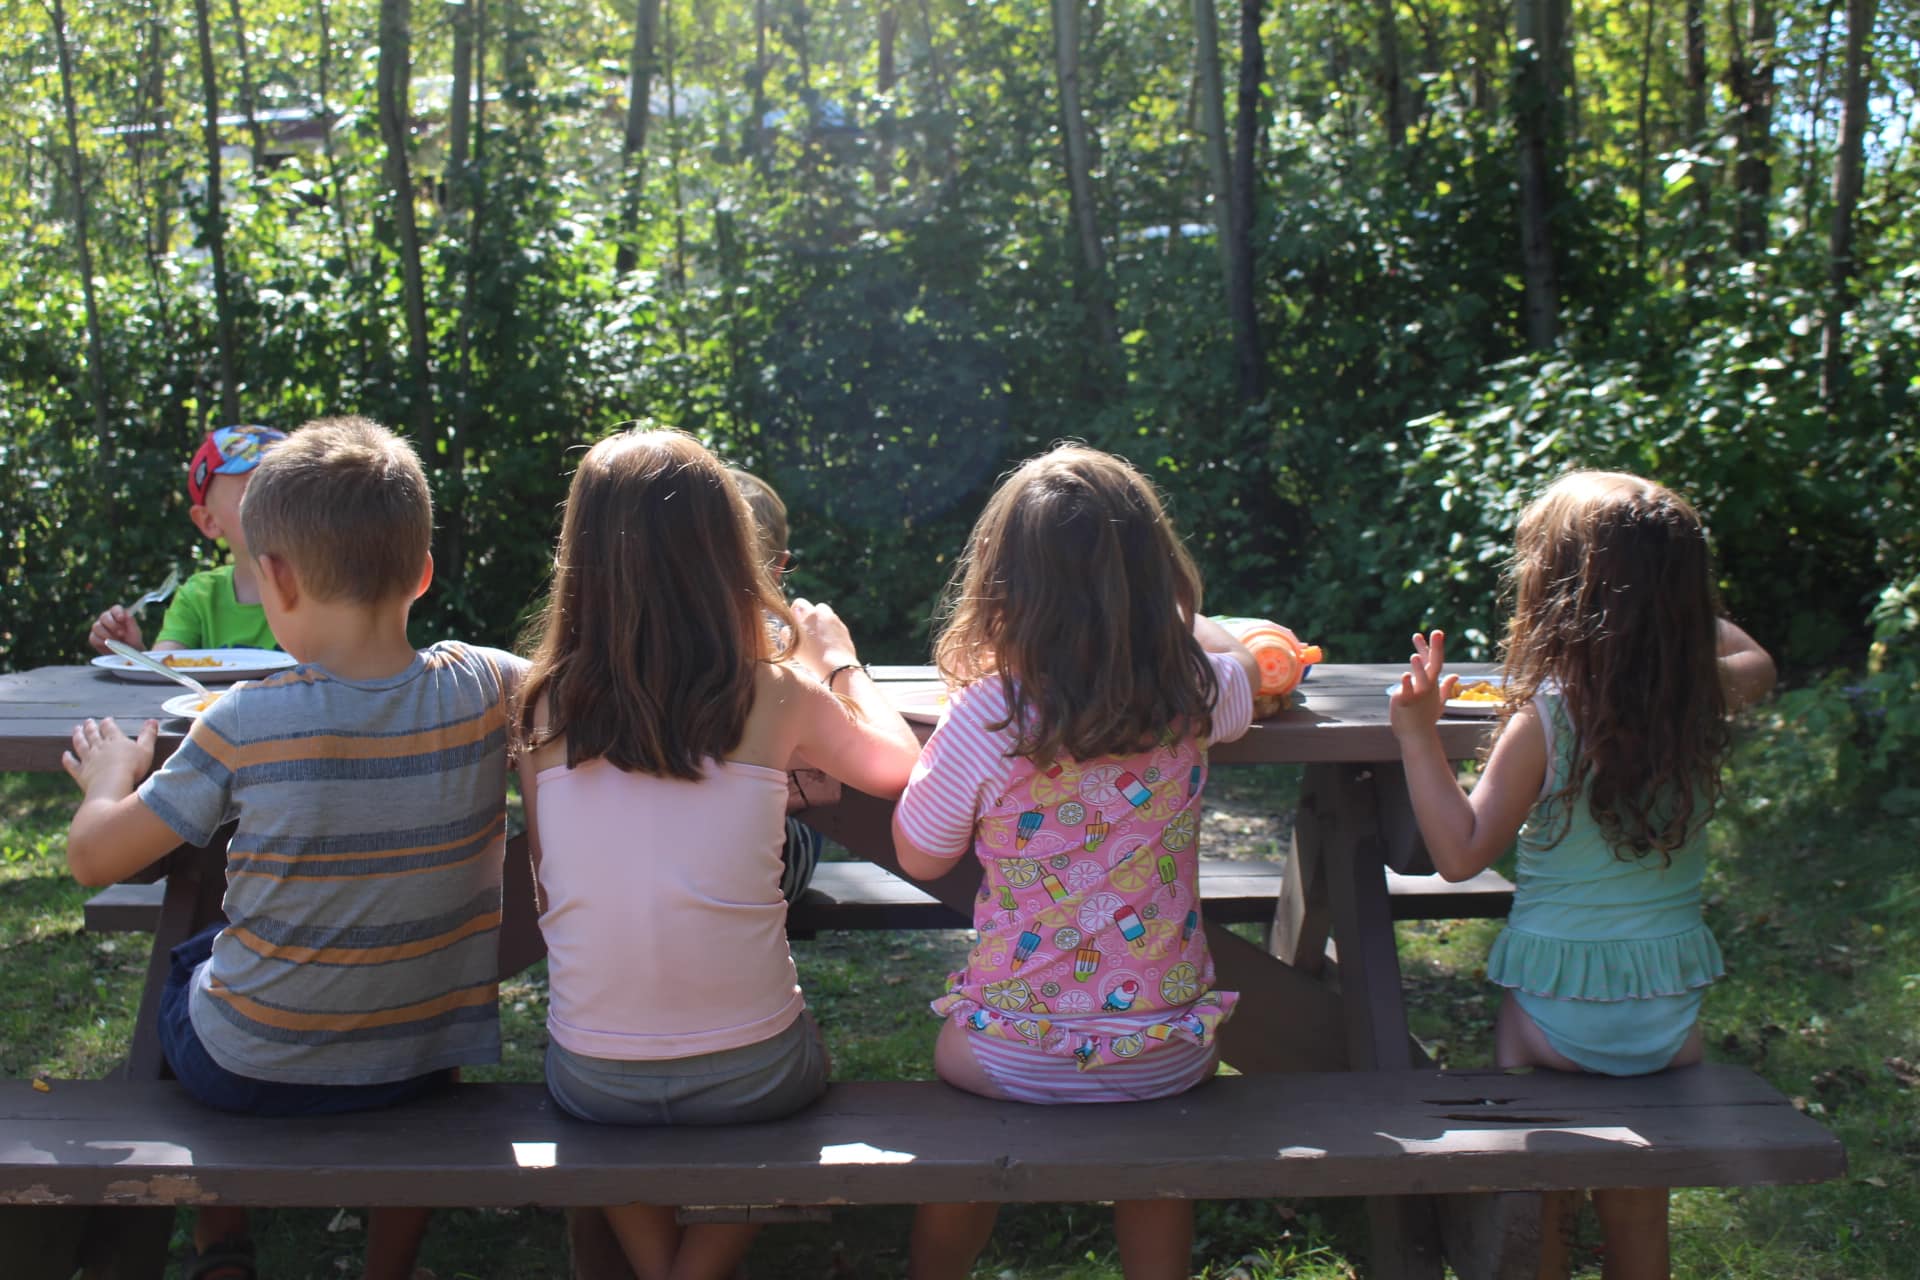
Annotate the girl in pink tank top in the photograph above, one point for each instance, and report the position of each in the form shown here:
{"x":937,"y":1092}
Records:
{"x":1071,"y":761}
{"x":654,"y":732}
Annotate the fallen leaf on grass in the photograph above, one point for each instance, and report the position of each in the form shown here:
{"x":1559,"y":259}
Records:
{"x":40,"y":1085}
{"x":1907,"y":1073}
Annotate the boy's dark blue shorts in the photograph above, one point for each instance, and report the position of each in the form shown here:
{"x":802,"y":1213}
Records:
{"x":215,"y":1086}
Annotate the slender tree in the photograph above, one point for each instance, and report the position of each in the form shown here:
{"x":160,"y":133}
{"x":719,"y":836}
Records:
{"x":1533,"y":109}
{"x":1848,"y":164}
{"x":641,"y":65}
{"x":392,"y":79}
{"x":1750,"y":80}
{"x":1246,"y":142}
{"x":1393,"y":93}
{"x":248,"y":107}
{"x":1697,"y":141}
{"x":329,"y":148}
{"x":82,"y":216}
{"x":215,"y":227}
{"x":1079,"y":159}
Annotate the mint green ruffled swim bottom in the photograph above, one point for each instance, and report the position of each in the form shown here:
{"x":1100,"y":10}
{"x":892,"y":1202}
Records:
{"x":1615,"y":1037}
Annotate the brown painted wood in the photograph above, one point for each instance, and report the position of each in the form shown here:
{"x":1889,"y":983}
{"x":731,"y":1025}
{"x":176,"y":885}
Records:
{"x":521,"y":943}
{"x":1301,"y":922}
{"x":42,"y":1242}
{"x":1340,"y":1133}
{"x":1492,"y":1235}
{"x":1285,"y":1021}
{"x":196,"y":879}
{"x":1340,"y":714}
{"x":859,"y":895}
{"x":593,"y":1252}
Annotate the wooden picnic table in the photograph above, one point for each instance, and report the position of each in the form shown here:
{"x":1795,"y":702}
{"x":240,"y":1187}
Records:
{"x":1300,"y":1010}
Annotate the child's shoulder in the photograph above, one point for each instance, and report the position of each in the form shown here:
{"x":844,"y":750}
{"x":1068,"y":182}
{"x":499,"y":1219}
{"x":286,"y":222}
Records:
{"x":503,"y":669}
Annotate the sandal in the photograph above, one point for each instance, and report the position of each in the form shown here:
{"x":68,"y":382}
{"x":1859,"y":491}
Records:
{"x":229,"y":1259}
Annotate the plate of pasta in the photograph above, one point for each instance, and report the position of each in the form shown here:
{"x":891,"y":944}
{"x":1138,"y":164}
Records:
{"x":190,"y":706}
{"x":208,"y":666}
{"x":1480,"y":696}
{"x":1476,"y":696}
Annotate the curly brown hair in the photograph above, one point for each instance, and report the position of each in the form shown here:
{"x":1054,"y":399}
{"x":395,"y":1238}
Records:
{"x":1075,"y":591}
{"x":1614,"y":601}
{"x":656,"y":618}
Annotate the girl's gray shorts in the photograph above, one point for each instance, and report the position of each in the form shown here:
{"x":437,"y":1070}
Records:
{"x":763,"y":1081}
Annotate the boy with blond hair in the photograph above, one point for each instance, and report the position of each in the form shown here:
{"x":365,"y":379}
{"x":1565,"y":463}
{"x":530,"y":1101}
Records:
{"x":357,"y":966}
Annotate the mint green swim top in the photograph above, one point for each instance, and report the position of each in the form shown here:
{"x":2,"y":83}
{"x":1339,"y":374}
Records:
{"x":1587,"y":924}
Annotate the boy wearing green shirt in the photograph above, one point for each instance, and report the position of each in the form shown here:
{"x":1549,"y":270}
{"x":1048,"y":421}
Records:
{"x":216,"y":608}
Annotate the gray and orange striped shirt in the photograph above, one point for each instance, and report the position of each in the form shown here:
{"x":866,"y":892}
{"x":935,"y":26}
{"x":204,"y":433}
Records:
{"x":363,"y":879}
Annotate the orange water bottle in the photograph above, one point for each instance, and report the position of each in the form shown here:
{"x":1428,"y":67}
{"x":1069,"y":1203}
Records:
{"x":1282,"y":655}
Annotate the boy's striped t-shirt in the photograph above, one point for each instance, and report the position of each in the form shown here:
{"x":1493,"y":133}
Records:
{"x":363,"y":879}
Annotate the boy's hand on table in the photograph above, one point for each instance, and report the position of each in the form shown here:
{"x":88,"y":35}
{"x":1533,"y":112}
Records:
{"x":115,"y":624}
{"x":104,"y":760}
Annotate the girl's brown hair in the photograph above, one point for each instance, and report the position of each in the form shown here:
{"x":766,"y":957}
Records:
{"x":1075,"y":592}
{"x":657,"y":614}
{"x":1614,"y":599}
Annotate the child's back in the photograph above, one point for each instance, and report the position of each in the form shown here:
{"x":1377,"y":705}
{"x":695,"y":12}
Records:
{"x":1071,"y":763}
{"x":363,"y":880}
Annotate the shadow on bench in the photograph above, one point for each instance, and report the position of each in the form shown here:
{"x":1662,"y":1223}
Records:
{"x":860,"y":895}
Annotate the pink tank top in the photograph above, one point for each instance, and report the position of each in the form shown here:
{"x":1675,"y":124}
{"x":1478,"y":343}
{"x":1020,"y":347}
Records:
{"x":666,"y":932}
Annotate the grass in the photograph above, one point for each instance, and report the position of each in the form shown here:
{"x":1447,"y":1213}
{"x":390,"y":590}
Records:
{"x":1814,"y":892}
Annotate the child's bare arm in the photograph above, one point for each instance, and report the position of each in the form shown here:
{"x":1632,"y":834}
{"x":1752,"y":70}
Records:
{"x":1464,"y":834}
{"x":1215,"y":638}
{"x":914,"y":860}
{"x":1746,"y":671}
{"x":113,"y":833}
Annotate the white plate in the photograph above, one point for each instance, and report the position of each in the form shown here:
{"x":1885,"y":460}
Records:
{"x":187,"y":705}
{"x":1464,"y":706}
{"x":926,"y":703}
{"x":234,"y":664}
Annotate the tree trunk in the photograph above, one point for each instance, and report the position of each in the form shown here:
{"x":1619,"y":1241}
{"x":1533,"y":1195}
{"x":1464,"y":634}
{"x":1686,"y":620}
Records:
{"x":1533,"y":110}
{"x":1697,"y":142}
{"x":1246,"y":140}
{"x":1750,"y":80}
{"x":633,"y":146}
{"x":885,"y":76}
{"x":460,"y":112}
{"x":247,"y":108}
{"x":1093,"y":262}
{"x":679,"y":274}
{"x":216,"y":224}
{"x":1847,"y":168}
{"x":336,"y":189}
{"x":1393,"y":93}
{"x":757,"y":127}
{"x":1642,"y":144}
{"x":462,"y":193}
{"x":396,"y":38}
{"x":82,"y":215}
{"x":1211,"y":91}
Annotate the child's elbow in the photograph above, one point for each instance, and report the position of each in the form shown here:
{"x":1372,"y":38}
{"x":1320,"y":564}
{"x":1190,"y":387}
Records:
{"x":84,"y":866}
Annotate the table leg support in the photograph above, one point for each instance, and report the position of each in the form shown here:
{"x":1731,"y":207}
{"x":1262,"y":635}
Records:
{"x":1347,"y":800}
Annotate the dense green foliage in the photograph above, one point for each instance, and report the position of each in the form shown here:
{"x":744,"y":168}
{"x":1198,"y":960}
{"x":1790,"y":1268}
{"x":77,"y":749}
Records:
{"x":856,"y":272}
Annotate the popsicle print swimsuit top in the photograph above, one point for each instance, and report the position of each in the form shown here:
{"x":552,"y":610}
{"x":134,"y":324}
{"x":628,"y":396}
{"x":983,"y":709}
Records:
{"x":1090,"y":946}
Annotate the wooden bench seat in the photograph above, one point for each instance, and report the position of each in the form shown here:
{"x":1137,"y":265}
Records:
{"x":861,"y":895}
{"x":1404,"y":1132}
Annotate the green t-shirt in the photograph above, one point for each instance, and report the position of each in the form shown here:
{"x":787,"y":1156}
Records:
{"x":205,"y":615}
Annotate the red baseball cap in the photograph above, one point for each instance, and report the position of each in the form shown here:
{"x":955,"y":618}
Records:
{"x":227,"y":451}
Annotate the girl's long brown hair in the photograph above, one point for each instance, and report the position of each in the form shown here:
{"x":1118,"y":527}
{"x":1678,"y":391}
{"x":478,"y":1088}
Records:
{"x":1076,"y":593}
{"x":1614,"y":599}
{"x":657,"y":614}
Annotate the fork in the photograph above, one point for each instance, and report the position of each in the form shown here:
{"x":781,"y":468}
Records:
{"x":158,"y":594}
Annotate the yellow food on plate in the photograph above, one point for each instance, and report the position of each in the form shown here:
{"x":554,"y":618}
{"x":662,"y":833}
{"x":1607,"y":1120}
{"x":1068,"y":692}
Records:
{"x":207,"y":701}
{"x":175,"y":661}
{"x":1479,"y":691}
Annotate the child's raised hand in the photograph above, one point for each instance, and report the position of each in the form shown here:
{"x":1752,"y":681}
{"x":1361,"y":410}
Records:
{"x":823,"y":641}
{"x":115,"y":624}
{"x":104,"y":756}
{"x":1416,"y":703}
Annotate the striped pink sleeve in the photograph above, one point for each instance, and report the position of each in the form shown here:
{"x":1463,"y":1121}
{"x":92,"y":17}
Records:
{"x":1233,"y":709}
{"x":962,"y":766}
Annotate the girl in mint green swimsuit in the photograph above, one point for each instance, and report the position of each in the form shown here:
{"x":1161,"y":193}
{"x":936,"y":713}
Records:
{"x":1620,"y":675}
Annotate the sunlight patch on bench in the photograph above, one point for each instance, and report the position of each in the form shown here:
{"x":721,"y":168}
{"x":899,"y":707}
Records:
{"x":1505,"y":1140}
{"x":536,"y":1155}
{"x":138,"y":1152}
{"x":862,"y":1153}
